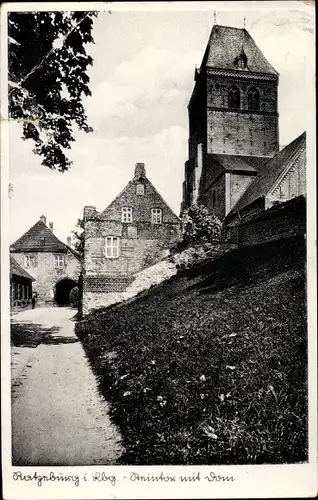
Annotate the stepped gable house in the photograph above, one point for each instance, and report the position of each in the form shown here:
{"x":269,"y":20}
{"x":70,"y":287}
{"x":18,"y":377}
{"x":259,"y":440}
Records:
{"x":233,"y":129}
{"x":54,"y":265}
{"x":20,"y":286}
{"x":133,"y":232}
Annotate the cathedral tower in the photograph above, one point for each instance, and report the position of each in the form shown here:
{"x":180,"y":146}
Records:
{"x":233,"y":119}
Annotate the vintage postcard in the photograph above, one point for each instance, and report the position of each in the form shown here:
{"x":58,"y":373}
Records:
{"x":158,"y":255}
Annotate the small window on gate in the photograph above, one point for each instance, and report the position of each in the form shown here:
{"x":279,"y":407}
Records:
{"x":59,"y":260}
{"x":29,"y":261}
{"x":112,"y":247}
{"x":156,"y":216}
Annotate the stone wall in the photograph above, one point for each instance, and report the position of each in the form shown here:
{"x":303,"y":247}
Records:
{"x":217,"y":91}
{"x":141,"y":245}
{"x":281,"y":221}
{"x":47,"y":275}
{"x":242,"y":131}
{"x":238,"y":185}
{"x":219,"y":187}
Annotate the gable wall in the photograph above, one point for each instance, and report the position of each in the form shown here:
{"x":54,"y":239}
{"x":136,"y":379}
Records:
{"x":46,"y":274}
{"x":292,"y":184}
{"x":141,"y":204}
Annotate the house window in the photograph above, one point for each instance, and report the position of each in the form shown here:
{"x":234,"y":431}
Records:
{"x":126,"y":214}
{"x":112,"y":247}
{"x":140,"y":189}
{"x":234,"y":98}
{"x":253,"y":99}
{"x":59,"y":260}
{"x":156,"y":216}
{"x":29,"y":261}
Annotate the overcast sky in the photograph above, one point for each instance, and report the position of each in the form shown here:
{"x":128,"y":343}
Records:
{"x":141,"y":83}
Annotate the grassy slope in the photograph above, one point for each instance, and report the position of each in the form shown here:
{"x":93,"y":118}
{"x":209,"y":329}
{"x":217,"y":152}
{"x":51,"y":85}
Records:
{"x":210,"y":367}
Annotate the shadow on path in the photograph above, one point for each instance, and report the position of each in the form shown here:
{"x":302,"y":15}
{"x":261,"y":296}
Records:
{"x":31,"y":335}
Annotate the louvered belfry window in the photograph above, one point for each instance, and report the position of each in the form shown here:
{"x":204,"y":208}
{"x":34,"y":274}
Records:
{"x":253,"y":99}
{"x":234,"y":98}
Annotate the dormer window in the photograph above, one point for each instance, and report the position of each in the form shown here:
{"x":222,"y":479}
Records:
{"x":240,"y":62}
{"x":140,"y":189}
{"x":234,"y":98}
{"x":126,"y":215}
{"x":253,"y":99}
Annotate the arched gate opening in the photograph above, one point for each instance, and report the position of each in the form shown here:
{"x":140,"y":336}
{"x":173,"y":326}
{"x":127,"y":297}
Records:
{"x":62,"y":291}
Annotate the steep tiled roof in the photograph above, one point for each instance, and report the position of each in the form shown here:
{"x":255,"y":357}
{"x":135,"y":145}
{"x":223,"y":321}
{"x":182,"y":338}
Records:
{"x":237,"y":162}
{"x":226,"y":43}
{"x":270,"y":172}
{"x":17,"y":270}
{"x":39,"y":238}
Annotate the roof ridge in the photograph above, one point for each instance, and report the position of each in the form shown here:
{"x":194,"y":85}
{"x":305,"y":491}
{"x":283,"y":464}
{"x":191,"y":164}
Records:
{"x":291,"y":151}
{"x":33,"y":232}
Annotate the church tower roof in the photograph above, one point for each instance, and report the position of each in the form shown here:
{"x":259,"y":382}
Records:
{"x":228,"y":45}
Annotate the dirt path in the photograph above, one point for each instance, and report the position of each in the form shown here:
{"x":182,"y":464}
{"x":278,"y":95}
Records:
{"x":58,"y":417}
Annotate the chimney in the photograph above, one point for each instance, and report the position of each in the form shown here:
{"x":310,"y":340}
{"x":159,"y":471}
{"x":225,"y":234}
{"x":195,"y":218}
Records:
{"x":140,"y":170}
{"x":69,"y":241}
{"x":89,"y":212}
{"x":43,"y":219}
{"x":51,"y":226}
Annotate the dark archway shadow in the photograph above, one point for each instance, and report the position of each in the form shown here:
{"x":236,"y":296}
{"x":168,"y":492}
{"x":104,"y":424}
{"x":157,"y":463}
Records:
{"x":62,"y":291}
{"x":31,"y":335}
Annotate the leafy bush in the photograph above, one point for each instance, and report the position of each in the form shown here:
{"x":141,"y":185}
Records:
{"x":200,"y":227}
{"x":74,"y":296}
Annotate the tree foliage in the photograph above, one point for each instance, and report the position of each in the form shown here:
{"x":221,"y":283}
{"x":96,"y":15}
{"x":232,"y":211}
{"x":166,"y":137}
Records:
{"x":48,"y":79}
{"x":78,"y":234}
{"x":74,"y":296}
{"x":199,"y":226}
